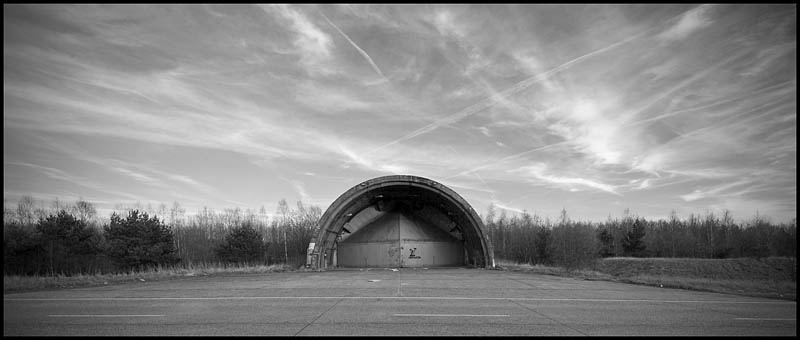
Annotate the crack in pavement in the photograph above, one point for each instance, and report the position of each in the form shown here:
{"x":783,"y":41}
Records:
{"x":319,"y":316}
{"x":547,"y":317}
{"x":552,"y":292}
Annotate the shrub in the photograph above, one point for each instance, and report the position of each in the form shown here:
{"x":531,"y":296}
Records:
{"x":242,"y":244}
{"x":69,"y":244}
{"x":632,"y":242}
{"x":139,"y":241}
{"x":22,"y":253}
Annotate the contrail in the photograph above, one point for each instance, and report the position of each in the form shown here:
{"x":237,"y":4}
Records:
{"x":491,"y":101}
{"x":507,"y":158}
{"x":705,"y":106}
{"x":695,"y":77}
{"x":488,"y":188}
{"x":366,"y":56}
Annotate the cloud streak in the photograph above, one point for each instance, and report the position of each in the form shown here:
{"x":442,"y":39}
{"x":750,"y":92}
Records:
{"x":689,"y":23}
{"x":538,"y":172}
{"x":369,"y":164}
{"x":539,"y":106}
{"x":69,"y":179}
{"x":494,"y":99}
{"x":314,"y":44}
{"x":359,"y":49}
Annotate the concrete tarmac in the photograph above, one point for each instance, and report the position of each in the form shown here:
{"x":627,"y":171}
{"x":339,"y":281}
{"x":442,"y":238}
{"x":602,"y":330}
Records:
{"x":451,"y":301}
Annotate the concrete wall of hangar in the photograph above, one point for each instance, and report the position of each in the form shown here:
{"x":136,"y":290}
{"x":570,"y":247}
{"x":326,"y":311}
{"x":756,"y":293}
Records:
{"x":423,"y":191}
{"x":399,"y":237}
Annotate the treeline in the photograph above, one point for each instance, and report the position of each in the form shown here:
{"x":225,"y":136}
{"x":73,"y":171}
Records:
{"x":283,"y":238}
{"x":72,"y":238}
{"x":531,"y":239}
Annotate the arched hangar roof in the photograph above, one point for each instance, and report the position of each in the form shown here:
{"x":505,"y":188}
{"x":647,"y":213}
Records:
{"x":416,"y":189}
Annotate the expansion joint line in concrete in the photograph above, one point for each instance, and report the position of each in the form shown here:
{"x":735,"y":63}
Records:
{"x":319,"y":316}
{"x":547,"y":317}
{"x":518,"y":281}
{"x":399,"y":288}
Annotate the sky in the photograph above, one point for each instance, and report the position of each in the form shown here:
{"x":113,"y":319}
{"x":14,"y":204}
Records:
{"x":592,"y":109}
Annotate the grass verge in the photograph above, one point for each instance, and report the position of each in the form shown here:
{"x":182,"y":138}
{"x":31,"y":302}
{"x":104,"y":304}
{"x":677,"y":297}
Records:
{"x":16,"y":283}
{"x":768,"y":278}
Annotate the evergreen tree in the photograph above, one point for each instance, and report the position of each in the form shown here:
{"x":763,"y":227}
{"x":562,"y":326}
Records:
{"x":542,"y":241}
{"x":632,"y":243}
{"x":243,"y":243}
{"x":64,"y":239}
{"x":139,"y":241}
{"x":22,"y":251}
{"x":606,"y":242}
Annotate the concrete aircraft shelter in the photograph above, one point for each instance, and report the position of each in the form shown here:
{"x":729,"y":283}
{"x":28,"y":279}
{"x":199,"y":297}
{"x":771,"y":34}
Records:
{"x":400,"y":221}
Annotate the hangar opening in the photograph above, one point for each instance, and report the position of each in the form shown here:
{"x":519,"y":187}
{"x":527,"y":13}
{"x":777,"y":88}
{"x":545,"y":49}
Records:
{"x":400,"y":221}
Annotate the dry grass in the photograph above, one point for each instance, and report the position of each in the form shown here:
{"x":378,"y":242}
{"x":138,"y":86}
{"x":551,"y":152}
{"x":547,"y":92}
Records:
{"x":773,"y":277}
{"x":548,"y":270}
{"x":767,"y":269}
{"x":16,"y":283}
{"x":768,"y":277}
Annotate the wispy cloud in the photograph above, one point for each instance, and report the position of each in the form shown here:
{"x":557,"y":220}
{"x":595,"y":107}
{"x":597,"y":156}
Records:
{"x":48,"y":171}
{"x":149,"y":175}
{"x":314,"y":44}
{"x":136,"y":175}
{"x":445,"y":23}
{"x":359,"y":49}
{"x":775,"y":89}
{"x":714,"y":191}
{"x":502,"y":161}
{"x":69,"y":179}
{"x":684,"y":83}
{"x":369,"y":163}
{"x":300,"y":189}
{"x":690,"y":22}
{"x":537,"y":171}
{"x":510,"y":104}
{"x":491,"y":101}
{"x":503,"y":206}
{"x":331,"y":100}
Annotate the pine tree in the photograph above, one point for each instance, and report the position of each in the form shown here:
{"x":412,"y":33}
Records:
{"x":632,"y":243}
{"x":64,"y":238}
{"x":139,"y":241}
{"x":243,"y":243}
